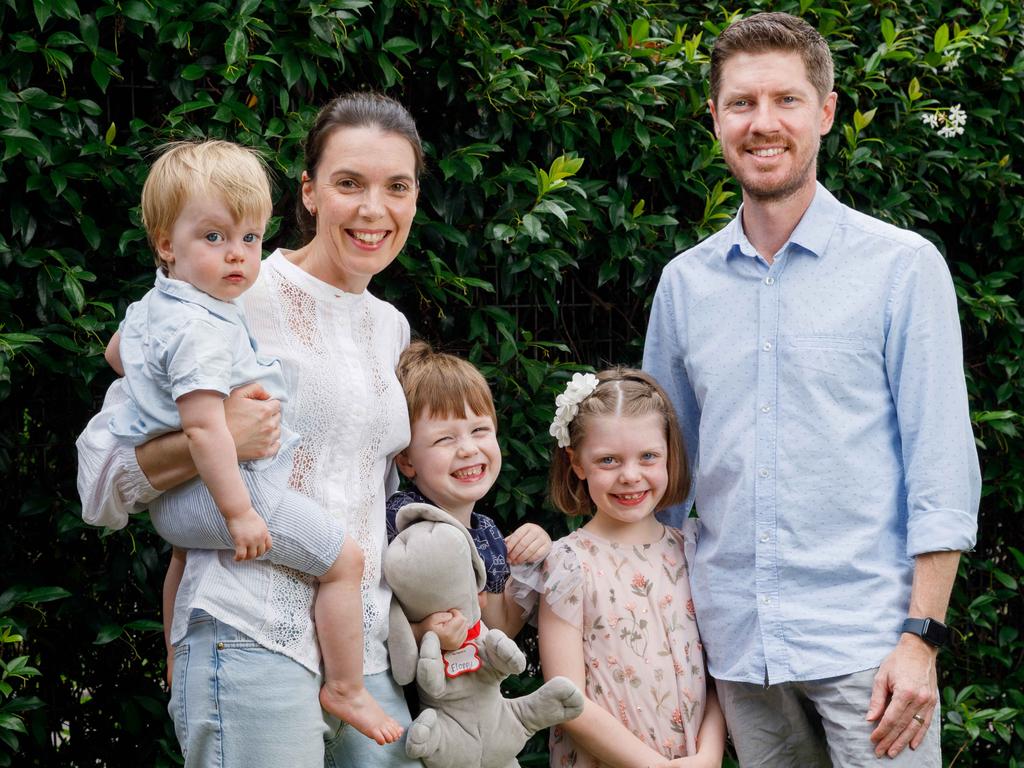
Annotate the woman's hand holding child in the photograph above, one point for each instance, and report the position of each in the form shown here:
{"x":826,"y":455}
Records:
{"x":254,"y":420}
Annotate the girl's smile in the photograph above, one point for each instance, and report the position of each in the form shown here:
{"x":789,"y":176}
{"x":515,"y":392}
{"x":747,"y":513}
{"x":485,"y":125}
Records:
{"x":624,"y":461}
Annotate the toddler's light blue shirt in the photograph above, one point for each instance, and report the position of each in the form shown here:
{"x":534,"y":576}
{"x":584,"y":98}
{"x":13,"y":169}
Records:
{"x":823,"y":404}
{"x":177,"y":339}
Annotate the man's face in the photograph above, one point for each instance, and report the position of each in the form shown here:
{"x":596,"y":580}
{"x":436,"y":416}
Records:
{"x":770,"y":120}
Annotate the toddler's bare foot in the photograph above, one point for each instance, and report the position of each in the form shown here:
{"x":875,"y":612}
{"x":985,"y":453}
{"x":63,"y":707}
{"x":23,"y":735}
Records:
{"x":359,"y":709}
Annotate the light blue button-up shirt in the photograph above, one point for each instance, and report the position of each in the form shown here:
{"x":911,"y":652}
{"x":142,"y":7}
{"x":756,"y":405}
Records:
{"x":175,"y":340}
{"x":823,"y":405}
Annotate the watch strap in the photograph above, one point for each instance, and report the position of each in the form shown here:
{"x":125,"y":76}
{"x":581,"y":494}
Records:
{"x":932,"y":631}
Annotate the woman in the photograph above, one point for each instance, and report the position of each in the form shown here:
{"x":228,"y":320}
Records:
{"x":234,"y":700}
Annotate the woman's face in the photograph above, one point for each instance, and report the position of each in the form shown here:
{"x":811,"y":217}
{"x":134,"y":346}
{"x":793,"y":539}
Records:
{"x":364,"y":198}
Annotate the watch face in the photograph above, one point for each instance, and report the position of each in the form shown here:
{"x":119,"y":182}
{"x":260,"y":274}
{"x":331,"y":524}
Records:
{"x":935,"y":633}
{"x":931,"y":631}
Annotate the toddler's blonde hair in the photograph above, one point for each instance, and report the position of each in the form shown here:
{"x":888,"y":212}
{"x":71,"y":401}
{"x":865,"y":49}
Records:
{"x":230,"y":172}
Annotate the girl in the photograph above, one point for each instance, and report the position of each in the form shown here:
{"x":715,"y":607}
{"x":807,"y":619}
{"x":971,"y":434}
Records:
{"x":616,"y":616}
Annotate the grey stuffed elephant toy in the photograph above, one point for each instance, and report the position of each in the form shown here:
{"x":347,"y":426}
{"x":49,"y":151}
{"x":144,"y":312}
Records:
{"x":432,"y":565}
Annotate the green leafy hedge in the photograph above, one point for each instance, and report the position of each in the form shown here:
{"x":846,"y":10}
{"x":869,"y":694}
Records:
{"x":570,"y":156}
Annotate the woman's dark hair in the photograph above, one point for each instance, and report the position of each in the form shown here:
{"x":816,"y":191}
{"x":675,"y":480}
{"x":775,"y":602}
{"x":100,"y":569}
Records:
{"x":354,"y":110}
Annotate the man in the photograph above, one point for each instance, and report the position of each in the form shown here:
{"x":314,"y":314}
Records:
{"x":814,"y":357}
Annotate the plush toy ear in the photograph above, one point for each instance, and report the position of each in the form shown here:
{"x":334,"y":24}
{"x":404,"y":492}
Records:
{"x":416,"y":512}
{"x":401,"y":645}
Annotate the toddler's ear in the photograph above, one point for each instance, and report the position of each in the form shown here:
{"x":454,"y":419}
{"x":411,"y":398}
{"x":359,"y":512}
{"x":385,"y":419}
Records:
{"x":164,"y":248}
{"x":405,"y":466}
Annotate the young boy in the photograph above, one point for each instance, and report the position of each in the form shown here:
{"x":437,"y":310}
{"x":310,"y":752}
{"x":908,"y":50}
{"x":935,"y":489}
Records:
{"x":453,"y":460}
{"x":182,"y":348}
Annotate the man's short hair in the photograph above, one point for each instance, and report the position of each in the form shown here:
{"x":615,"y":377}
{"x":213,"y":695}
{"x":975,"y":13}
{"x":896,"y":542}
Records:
{"x":765,"y":32}
{"x":229,"y":172}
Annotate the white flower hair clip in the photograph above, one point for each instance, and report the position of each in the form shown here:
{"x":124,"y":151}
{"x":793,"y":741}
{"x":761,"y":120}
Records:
{"x":567,"y":405}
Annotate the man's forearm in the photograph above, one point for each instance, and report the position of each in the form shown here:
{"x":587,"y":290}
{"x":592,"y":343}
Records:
{"x":934,"y":574}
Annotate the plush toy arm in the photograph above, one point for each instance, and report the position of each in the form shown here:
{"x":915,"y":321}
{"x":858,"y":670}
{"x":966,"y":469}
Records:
{"x":430,"y":669}
{"x":401,"y":645}
{"x":501,"y":654}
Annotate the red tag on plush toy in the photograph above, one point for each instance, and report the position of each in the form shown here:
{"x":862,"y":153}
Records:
{"x":464,"y":659}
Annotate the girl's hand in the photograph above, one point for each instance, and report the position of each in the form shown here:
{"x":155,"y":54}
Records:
{"x":692,"y":761}
{"x":254,"y":420}
{"x":529,"y":543}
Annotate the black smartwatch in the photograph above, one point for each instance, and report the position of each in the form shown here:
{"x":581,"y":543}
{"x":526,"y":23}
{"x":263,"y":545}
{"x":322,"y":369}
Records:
{"x":932,"y":631}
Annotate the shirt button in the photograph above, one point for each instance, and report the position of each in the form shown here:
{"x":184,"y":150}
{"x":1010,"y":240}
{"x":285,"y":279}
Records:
{"x":767,"y":346}
{"x":769,"y":281}
{"x":765,"y":408}
{"x":766,"y":600}
{"x":764,"y":538}
{"x":763,"y":472}
{"x":220,"y":646}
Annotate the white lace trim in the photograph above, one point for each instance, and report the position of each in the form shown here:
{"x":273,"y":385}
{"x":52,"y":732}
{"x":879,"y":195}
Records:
{"x":362,"y":532}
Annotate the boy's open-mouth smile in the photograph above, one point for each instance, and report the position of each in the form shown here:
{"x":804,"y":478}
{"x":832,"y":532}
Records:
{"x":469,"y":474}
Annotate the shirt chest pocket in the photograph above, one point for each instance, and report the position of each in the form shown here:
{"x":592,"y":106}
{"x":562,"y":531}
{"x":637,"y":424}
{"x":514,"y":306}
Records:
{"x":830,"y":355}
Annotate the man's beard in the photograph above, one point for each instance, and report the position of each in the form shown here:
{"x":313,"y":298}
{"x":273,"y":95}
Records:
{"x":776,"y":191}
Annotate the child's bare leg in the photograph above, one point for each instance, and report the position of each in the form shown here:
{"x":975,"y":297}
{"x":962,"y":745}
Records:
{"x":339,"y":628}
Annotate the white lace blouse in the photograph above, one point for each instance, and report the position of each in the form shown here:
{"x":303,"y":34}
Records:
{"x":339,"y":352}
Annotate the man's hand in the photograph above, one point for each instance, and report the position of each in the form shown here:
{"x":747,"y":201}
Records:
{"x":905,"y":686}
{"x":254,"y":420}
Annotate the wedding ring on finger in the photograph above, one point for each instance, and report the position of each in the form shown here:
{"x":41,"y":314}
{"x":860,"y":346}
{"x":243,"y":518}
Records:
{"x":918,"y":718}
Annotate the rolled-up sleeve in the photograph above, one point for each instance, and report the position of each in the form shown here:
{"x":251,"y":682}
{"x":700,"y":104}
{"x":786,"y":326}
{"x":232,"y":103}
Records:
{"x":924,"y":360}
{"x":111,"y":484}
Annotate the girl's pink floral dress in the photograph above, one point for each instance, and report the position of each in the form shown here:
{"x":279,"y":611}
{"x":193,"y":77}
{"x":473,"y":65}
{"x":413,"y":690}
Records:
{"x":644,"y":661}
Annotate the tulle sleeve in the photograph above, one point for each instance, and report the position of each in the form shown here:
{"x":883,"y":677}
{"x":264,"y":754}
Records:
{"x":563,"y":583}
{"x":526,"y":582}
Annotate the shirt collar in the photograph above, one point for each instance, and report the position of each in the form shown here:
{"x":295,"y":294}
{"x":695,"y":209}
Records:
{"x":812,"y":233}
{"x":183,"y":291}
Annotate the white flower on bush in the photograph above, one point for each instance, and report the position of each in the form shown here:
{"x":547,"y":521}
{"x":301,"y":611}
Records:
{"x":567,"y":405}
{"x":948,"y":123}
{"x":951,"y":62}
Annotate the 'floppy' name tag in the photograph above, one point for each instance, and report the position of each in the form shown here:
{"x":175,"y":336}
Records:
{"x":461,"y":661}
